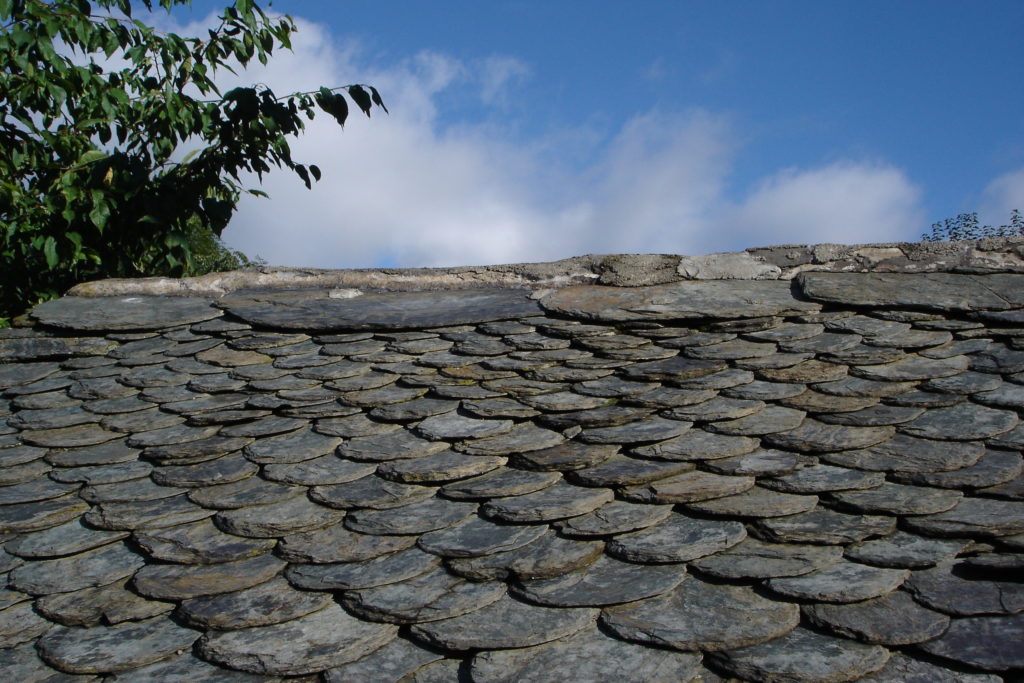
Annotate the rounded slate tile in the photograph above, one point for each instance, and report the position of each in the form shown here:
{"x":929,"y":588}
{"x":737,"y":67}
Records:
{"x":225,"y":470}
{"x":994,"y":468}
{"x":754,"y":559}
{"x":379,"y":571}
{"x":677,"y":539}
{"x":290,"y":516}
{"x":824,"y":526}
{"x":623,"y":470}
{"x":477,"y":536}
{"x":109,"y":604}
{"x":989,"y":643}
{"x":254,"y":490}
{"x":428,"y":597}
{"x":267,"y":603}
{"x":555,"y":502}
{"x":549,"y":556}
{"x":893,"y":619}
{"x":587,"y":655}
{"x":29,"y":517}
{"x":392,"y":445}
{"x":95,"y":567}
{"x":964,"y":422}
{"x":569,"y":455}
{"x":755,"y":502}
{"x":904,"y":453}
{"x":897,"y":499}
{"x":500,"y":483}
{"x":522,"y":438}
{"x":822,"y":479}
{"x":395,"y":661}
{"x":642,"y":431}
{"x":761,"y":462}
{"x":182,"y":581}
{"x":199,"y":543}
{"x":841,"y":582}
{"x":124,"y":312}
{"x":813,"y":436}
{"x":338,"y":544}
{"x":293,"y":447}
{"x":875,"y":416}
{"x":184,"y":667}
{"x":616,"y":517}
{"x":20,"y":624}
{"x":110,"y":649}
{"x":507,"y":623}
{"x":606,"y":582}
{"x":702,"y":616}
{"x":325,"y":470}
{"x":803,"y":372}
{"x":900,"y":667}
{"x":688,"y":487}
{"x":903,"y":550}
{"x":370,"y":492}
{"x":950,"y":588}
{"x":913,"y":368}
{"x":438,"y":468}
{"x":803,"y":656}
{"x":317,"y":641}
{"x":69,"y":437}
{"x":69,"y":538}
{"x":768,"y":421}
{"x":449,"y":426}
{"x":972,"y":517}
{"x":415,"y":518}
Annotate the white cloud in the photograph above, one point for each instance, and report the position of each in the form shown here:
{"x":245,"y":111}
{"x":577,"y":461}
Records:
{"x":408,"y":190}
{"x":1003,"y":195}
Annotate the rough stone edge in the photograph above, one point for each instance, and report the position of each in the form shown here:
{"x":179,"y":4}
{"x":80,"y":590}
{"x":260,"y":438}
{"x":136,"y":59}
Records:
{"x":781,"y":262}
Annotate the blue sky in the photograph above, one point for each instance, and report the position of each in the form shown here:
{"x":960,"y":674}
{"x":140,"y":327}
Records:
{"x":527,"y":130}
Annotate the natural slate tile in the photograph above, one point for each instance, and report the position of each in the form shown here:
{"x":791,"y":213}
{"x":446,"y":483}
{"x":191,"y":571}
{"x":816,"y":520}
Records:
{"x":964,"y":422}
{"x":521,"y":438}
{"x":755,"y":502}
{"x":723,"y":379}
{"x":26,"y":472}
{"x":321,"y":640}
{"x":904,"y":453}
{"x":754,"y":559}
{"x":903,"y":550}
{"x":370,"y":492}
{"x":225,"y":470}
{"x":185,"y":667}
{"x":293,"y":447}
{"x":822,"y":526}
{"x":252,"y":490}
{"x":674,"y":369}
{"x":564,"y":401}
{"x":439,"y":468}
{"x":622,"y":470}
{"x":902,"y":668}
{"x":875,"y":416}
{"x":416,"y":409}
{"x":998,"y":359}
{"x":34,"y":491}
{"x":687,"y":487}
{"x":678,"y":539}
{"x":415,"y":518}
{"x":109,"y":604}
{"x":964,"y":383}
{"x":150,"y":514}
{"x":18,"y":454}
{"x":607,"y":581}
{"x":569,"y":455}
{"x":477,"y":536}
{"x":802,"y":655}
{"x":500,"y":483}
{"x":338,"y":544}
{"x":392,"y":445}
{"x":69,"y":538}
{"x":893,"y":619}
{"x":803,"y":372}
{"x":812,"y":436}
{"x":897,"y":499}
{"x":109,"y":313}
{"x":823,"y":479}
{"x":199,"y":543}
{"x":431,"y":596}
{"x":698,"y":444}
{"x":127,"y":492}
{"x":548,"y":556}
{"x":183,"y":581}
{"x":555,"y":502}
{"x":818,"y":402}
{"x":169,"y":436}
{"x":325,"y":470}
{"x":989,"y":643}
{"x":140,"y":421}
{"x":612,"y":518}
{"x":20,"y":374}
{"x":768,"y":421}
{"x":20,"y":624}
{"x":293,"y":515}
{"x":950,"y":588}
{"x":103,"y":474}
{"x":761,"y":462}
{"x":28,"y":517}
{"x":395,"y":661}
{"x":51,"y":418}
{"x":506,"y":623}
{"x":702,"y":616}
{"x":841,"y":582}
{"x":379,"y":571}
{"x":272,"y":602}
{"x":70,"y":437}
{"x":972,"y":517}
{"x":719,"y":408}
{"x":586,"y":655}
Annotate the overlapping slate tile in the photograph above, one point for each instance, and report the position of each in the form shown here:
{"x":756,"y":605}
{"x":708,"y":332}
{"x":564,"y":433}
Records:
{"x":677,"y":539}
{"x":113,"y":603}
{"x":548,"y":556}
{"x":754,"y":559}
{"x":841,"y":582}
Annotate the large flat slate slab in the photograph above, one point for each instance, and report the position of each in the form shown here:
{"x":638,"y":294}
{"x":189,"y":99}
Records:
{"x":933,"y":291}
{"x":123,"y":312}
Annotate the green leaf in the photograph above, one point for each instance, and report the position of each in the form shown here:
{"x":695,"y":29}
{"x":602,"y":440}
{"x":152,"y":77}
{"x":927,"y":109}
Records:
{"x":100,"y":214}
{"x":91,"y":156}
{"x":50,"y":252}
{"x":361,"y":98}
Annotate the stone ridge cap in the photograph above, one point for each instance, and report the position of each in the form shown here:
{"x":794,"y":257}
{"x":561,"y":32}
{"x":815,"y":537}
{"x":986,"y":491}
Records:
{"x":780,"y":262}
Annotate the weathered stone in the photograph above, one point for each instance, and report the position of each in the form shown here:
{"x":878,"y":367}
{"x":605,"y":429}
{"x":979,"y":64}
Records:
{"x":973,"y":517}
{"x":989,"y":643}
{"x":338,"y":544}
{"x":998,"y":359}
{"x":395,"y":661}
{"x":547,"y":557}
{"x":840,"y":582}
{"x":913,"y":368}
{"x":95,"y":567}
{"x":29,"y":517}
{"x":181,"y":582}
{"x":621,"y":470}
{"x":416,"y":518}
{"x":616,"y":517}
{"x":297,"y":446}
{"x":934,"y":291}
{"x":431,"y":596}
{"x":768,"y":421}
{"x":586,"y":655}
{"x":754,"y":559}
{"x":570,"y":455}
{"x":123,"y":313}
{"x":556,"y":502}
{"x":199,"y":543}
{"x":904,"y":453}
{"x":803,"y":656}
{"x":802,"y":371}
{"x":902,"y":668}
{"x":246,"y":492}
{"x":500,"y":483}
{"x":20,"y":624}
{"x":209,"y":473}
{"x":687,"y":488}
{"x":438,"y":468}
{"x":963,"y":422}
{"x":506,"y":623}
{"x":290,"y":516}
{"x":674,"y":369}
{"x":110,"y":649}
{"x":477,"y":536}
{"x":896,"y":499}
{"x":521,"y":438}
{"x":755,"y":502}
{"x":185,"y":667}
{"x":678,"y":539}
{"x":325,"y":470}
{"x":150,"y":514}
{"x":272,"y":602}
{"x":703,"y":616}
{"x":606,"y":582}
{"x":905,"y":550}
{"x":109,"y":604}
{"x":951,"y":589}
{"x":69,"y":538}
{"x":875,"y":416}
{"x":321,"y":640}
{"x":825,"y":527}
{"x":813,"y":436}
{"x":380,"y":571}
{"x":34,"y":491}
{"x":370,"y":492}
{"x":393,"y":445}
{"x":69,"y":437}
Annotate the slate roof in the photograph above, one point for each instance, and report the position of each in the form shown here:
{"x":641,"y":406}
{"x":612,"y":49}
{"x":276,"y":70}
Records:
{"x":816,"y":479}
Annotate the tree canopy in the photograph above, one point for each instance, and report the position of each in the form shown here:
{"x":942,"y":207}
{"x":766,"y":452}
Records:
{"x":118,"y":152}
{"x":966,"y":226}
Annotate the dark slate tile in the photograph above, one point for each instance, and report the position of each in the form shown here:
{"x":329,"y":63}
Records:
{"x":824,"y":527}
{"x":69,"y":538}
{"x":182,"y":581}
{"x":338,"y":544}
{"x":616,"y":517}
{"x":904,"y":453}
{"x":622,"y":470}
{"x":272,"y":602}
{"x":687,"y":487}
{"x":900,"y":667}
{"x":964,"y":422}
{"x":293,"y":447}
{"x":605,"y":582}
{"x":392,"y":445}
{"x":893,"y":619}
{"x":20,"y":624}
{"x":973,"y":517}
{"x":500,"y":483}
{"x":416,"y":518}
{"x":556,"y":502}
{"x":478,"y":536}
{"x":321,"y":640}
{"x":379,"y":571}
{"x":952,"y":589}
{"x":124,"y":313}
{"x":823,"y":479}
{"x":547,"y":557}
{"x":293,"y":515}
{"x":69,"y":437}
{"x":812,"y":436}
{"x":225,"y":470}
{"x":770,"y":420}
{"x":28,"y":517}
{"x":755,"y":502}
{"x":754,"y":559}
{"x":678,"y":539}
{"x":989,"y":643}
{"x":875,"y":416}
{"x":52,"y":418}
{"x":325,"y":470}
{"x":964,"y":383}
{"x":903,"y":550}
{"x":994,"y":468}
{"x":34,"y":491}
{"x":897,"y":499}
{"x":199,"y":543}
{"x":702,"y":616}
{"x":698,"y":444}
{"x":254,"y":490}
{"x":185,"y":667}
{"x":150,"y":514}
{"x":841,"y":582}
{"x":370,"y":492}
{"x":108,"y":604}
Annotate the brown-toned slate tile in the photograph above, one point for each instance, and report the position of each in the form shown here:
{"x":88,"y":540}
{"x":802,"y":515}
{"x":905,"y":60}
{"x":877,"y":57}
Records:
{"x":500,"y":483}
{"x":668,"y":397}
{"x":127,"y":491}
{"x":984,"y":517}
{"x":913,"y":368}
{"x":272,"y":602}
{"x":569,"y":455}
{"x":378,"y":571}
{"x":187,"y":667}
{"x":804,"y":372}
{"x":183,"y":581}
{"x":150,"y":514}
{"x":858,"y":386}
{"x":521,"y":438}
{"x":56,"y":383}
{"x":956,"y":589}
{"x":564,"y":401}
{"x":18,"y":454}
{"x":548,"y":556}
{"x":293,"y":447}
{"x":69,"y":437}
{"x":555,"y":502}
{"x":477,"y":536}
{"x":616,"y":517}
{"x":698,"y":444}
{"x":28,"y":517}
{"x":731,"y":350}
{"x":607,"y":581}
{"x":822,"y":479}
{"x":506,"y":623}
{"x":428,"y":597}
{"x":69,"y":538}
{"x":338,"y":544}
{"x":813,"y":436}
{"x":896,"y":499}
{"x":702,"y":616}
{"x":20,"y":374}
{"x":723,"y":379}
{"x":865,"y":354}
{"x":761,"y":462}
{"x":107,"y":649}
{"x":678,"y":539}
{"x":687,"y":487}
{"x":904,"y":453}
{"x":109,"y":604}
{"x":825,"y":527}
{"x":34,"y":491}
{"x":416,"y":518}
{"x":370,"y":492}
{"x":903,"y":550}
{"x":225,"y":357}
{"x":293,"y":515}
{"x":169,"y":436}
{"x":674,"y":369}
{"x":719,"y":408}
{"x":754,"y":559}
{"x":20,"y":624}
{"x":767,"y":421}
{"x":394,"y":661}
{"x":324,"y":639}
{"x":586,"y":655}
{"x":140,"y":421}
{"x":764,"y":391}
{"x":802,"y":656}
{"x":497,"y":408}
{"x":964,"y":383}
{"x":393,"y":445}
{"x":373,"y":398}
{"x":623,"y":470}
{"x":841,"y":582}
{"x":818,"y":402}
{"x":755,"y":502}
{"x":199,"y":543}
{"x":893,"y":619}
{"x":963,"y":422}
{"x":223,"y":470}
{"x":989,"y":643}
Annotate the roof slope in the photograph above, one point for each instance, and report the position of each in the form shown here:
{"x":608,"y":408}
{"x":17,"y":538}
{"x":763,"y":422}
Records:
{"x":805,"y":479}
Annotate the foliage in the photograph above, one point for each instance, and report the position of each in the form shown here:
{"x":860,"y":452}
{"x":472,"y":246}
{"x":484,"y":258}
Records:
{"x":966,"y":227}
{"x":97,"y":110}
